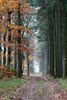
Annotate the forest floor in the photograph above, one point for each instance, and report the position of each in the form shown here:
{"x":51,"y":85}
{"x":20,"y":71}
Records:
{"x":41,"y":89}
{"x":38,"y":88}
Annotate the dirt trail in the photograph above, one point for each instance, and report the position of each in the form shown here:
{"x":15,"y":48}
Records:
{"x":41,"y":90}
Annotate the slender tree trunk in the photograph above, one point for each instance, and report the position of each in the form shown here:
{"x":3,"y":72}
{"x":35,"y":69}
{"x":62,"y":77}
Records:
{"x":9,"y":38}
{"x":2,"y":51}
{"x":19,"y":52}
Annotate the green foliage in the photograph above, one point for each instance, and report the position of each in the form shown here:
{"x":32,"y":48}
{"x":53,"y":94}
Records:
{"x":37,"y":2}
{"x":52,"y":3}
{"x":32,"y":2}
{"x":63,"y":83}
{"x":50,"y":6}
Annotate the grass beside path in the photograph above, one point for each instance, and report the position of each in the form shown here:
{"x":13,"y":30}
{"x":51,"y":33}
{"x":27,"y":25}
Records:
{"x":9,"y":86}
{"x":63,"y":83}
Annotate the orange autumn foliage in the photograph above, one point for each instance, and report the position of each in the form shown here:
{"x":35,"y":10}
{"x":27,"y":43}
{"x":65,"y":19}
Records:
{"x":0,"y":1}
{"x":5,"y":72}
{"x":8,"y":28}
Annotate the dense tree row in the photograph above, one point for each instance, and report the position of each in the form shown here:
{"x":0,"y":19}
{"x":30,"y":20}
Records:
{"x":14,"y":42}
{"x":53,"y":15}
{"x":16,"y":18}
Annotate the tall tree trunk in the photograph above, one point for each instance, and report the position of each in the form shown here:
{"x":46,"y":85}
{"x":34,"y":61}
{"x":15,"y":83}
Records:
{"x":2,"y":50}
{"x":19,"y":52}
{"x":9,"y":38}
{"x":65,"y":42}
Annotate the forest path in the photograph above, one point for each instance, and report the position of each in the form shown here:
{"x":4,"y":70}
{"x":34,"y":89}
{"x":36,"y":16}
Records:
{"x":37,"y":89}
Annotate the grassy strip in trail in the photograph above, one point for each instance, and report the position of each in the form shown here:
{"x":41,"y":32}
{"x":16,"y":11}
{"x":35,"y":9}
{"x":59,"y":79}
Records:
{"x":63,"y":83}
{"x":42,"y":82}
{"x":40,"y":92}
